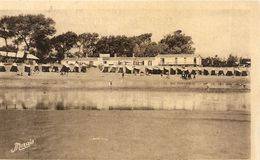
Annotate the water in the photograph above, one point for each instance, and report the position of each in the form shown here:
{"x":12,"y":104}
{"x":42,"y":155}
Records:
{"x":123,"y":99}
{"x":74,"y":124}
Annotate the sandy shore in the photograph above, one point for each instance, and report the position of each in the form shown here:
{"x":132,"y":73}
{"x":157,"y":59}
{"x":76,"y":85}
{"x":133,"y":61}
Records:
{"x":94,"y":79}
{"x":126,"y":134}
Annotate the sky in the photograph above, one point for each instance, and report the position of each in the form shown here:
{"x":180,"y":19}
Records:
{"x":216,"y":27}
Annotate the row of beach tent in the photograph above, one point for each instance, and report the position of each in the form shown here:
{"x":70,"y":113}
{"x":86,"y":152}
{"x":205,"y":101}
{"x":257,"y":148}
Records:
{"x":177,"y":70}
{"x":45,"y":68}
{"x":167,"y":70}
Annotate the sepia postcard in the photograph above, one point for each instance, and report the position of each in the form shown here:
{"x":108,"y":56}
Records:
{"x":129,"y":80}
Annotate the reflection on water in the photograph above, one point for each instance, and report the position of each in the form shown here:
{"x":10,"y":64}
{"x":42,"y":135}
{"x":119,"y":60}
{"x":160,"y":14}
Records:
{"x":130,"y":99}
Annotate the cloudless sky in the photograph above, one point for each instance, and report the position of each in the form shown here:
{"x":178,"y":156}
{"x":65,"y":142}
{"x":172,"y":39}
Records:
{"x":215,"y":27}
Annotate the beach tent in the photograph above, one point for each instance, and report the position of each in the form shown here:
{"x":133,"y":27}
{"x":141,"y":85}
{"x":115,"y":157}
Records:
{"x":179,"y":70}
{"x":2,"y":67}
{"x":166,"y":70}
{"x":113,"y":69}
{"x":55,"y":68}
{"x":14,"y":68}
{"x":148,"y":70}
{"x":199,"y":70}
{"x":83,"y":68}
{"x":173,"y":71}
{"x":205,"y":72}
{"x":65,"y":68}
{"x":120,"y":69}
{"x":186,"y":71}
{"x":76,"y":68}
{"x":244,"y":72}
{"x":193,"y":71}
{"x":136,"y":70}
{"x":105,"y":69}
{"x":27,"y":68}
{"x":229,"y":72}
{"x":213,"y":72}
{"x":157,"y":70}
{"x":237,"y":72}
{"x":46,"y":68}
{"x":221,"y":72}
{"x":128,"y":69}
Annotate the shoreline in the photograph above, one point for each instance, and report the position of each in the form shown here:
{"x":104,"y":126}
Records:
{"x":115,"y":82}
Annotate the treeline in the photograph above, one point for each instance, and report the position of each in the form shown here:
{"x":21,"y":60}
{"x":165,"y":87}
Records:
{"x":36,"y":34}
{"x":231,"y":61}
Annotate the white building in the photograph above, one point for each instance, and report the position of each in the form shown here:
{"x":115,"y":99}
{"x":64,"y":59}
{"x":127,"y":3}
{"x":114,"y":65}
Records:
{"x":159,"y":60}
{"x":178,"y":60}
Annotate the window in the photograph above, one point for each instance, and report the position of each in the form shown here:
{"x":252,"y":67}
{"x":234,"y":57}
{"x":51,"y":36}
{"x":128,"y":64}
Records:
{"x":149,"y":63}
{"x":195,"y":61}
{"x":162,"y":60}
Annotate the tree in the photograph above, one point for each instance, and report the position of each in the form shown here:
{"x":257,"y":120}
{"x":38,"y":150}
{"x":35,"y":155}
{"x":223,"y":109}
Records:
{"x":140,"y":44}
{"x":232,"y":61}
{"x":5,"y":33}
{"x":206,"y":62}
{"x":216,"y":62}
{"x":87,"y":43}
{"x":31,"y":30}
{"x":43,"y":46}
{"x":178,"y":43}
{"x":142,"y":39}
{"x":63,"y":43}
{"x":150,"y":50}
{"x":119,"y":45}
{"x":26,"y":28}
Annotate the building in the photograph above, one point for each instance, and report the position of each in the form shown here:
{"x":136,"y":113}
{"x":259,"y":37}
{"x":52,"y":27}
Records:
{"x":178,"y":60}
{"x":159,"y":60}
{"x":17,"y":56}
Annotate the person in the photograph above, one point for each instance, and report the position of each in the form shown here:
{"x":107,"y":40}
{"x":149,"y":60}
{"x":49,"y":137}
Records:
{"x":29,"y":73}
{"x":189,"y":76}
{"x":123,"y":74}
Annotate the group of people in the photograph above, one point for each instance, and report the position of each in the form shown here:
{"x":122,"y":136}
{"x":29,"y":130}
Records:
{"x":186,"y":75}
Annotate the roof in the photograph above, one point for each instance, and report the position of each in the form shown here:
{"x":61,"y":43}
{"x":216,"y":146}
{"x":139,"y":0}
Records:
{"x":30,"y":56}
{"x":81,"y":59}
{"x":3,"y":53}
{"x":19,"y":54}
{"x":177,"y":55}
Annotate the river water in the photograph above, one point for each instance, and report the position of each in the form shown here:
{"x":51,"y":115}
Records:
{"x":123,"y":99}
{"x":124,"y":124}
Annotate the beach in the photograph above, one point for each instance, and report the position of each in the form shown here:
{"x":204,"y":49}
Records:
{"x":97,"y":115}
{"x":116,"y":135}
{"x":95,"y":79}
